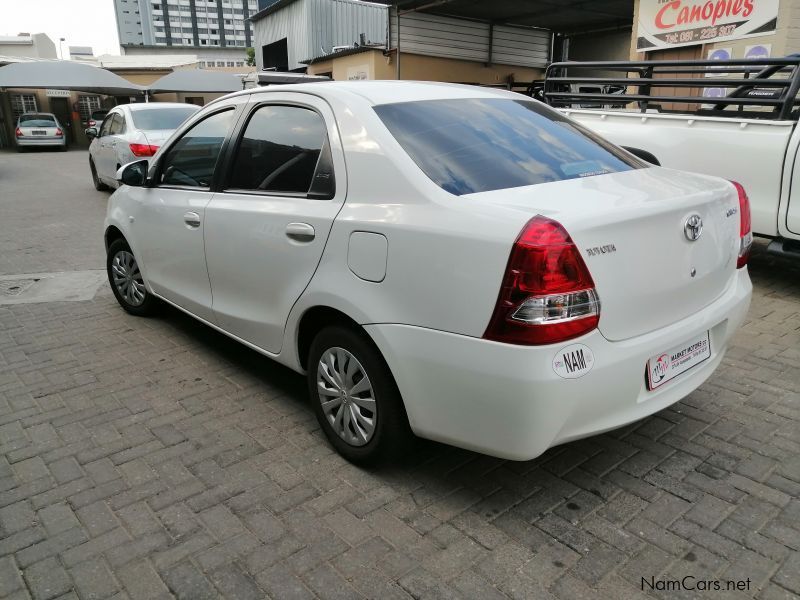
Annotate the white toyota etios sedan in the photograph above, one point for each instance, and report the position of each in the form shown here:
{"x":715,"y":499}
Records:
{"x":460,"y":263}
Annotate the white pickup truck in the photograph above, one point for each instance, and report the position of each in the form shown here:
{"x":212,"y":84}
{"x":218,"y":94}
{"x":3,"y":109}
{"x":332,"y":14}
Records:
{"x":733,"y":119}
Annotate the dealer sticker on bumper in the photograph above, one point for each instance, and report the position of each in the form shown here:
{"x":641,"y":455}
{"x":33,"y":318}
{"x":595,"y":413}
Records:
{"x":668,"y":365}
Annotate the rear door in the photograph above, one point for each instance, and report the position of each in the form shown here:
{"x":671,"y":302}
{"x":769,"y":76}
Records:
{"x":793,"y":209}
{"x":266,"y":230}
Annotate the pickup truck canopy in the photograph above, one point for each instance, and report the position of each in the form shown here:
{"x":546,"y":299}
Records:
{"x":763,"y":88}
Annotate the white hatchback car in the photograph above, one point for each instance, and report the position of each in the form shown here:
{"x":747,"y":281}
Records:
{"x":129,"y":132}
{"x":461,"y":263}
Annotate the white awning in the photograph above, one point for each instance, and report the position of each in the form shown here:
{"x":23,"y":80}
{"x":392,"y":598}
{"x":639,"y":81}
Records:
{"x":197,"y":81}
{"x":66,"y":75}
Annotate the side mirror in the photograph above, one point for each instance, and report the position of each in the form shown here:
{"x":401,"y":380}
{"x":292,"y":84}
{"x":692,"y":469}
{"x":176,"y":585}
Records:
{"x":134,"y":174}
{"x":91,"y":132}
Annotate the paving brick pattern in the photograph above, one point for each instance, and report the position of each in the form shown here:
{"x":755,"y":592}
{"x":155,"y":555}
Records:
{"x":156,"y":458}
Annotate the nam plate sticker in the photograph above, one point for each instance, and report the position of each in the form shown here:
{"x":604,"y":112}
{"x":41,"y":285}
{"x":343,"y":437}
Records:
{"x":573,"y":361}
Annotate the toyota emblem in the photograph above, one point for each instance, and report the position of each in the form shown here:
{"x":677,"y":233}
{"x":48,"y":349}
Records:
{"x":693,"y":228}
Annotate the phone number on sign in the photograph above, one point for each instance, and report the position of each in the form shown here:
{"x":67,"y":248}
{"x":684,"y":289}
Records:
{"x":706,"y":33}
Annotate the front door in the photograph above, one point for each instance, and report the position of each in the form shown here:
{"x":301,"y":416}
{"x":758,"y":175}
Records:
{"x":105,"y":157}
{"x":169,"y":226}
{"x":265,"y":232}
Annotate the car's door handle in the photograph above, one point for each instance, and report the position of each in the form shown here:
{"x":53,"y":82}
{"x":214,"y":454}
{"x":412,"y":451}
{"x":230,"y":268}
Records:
{"x":192,"y":219}
{"x":300,"y":232}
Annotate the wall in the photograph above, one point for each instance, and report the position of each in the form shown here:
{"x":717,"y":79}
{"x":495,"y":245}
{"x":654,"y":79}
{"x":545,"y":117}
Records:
{"x":202,"y":54}
{"x":290,"y":23}
{"x":447,"y":37}
{"x":314,"y":27}
{"x":613,"y":45}
{"x":421,"y":68}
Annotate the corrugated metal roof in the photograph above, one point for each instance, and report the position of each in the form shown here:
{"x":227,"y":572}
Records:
{"x":271,"y":9}
{"x":340,"y":53}
{"x":557,"y":15}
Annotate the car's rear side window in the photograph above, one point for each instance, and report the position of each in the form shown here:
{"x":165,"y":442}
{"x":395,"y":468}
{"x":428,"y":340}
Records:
{"x":482,"y":144}
{"x":280,"y":151}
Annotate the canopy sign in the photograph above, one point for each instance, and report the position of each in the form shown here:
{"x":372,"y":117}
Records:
{"x":674,"y":23}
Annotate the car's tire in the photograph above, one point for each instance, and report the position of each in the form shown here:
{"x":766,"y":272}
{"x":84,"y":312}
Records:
{"x":126,"y":280}
{"x":330,"y":363}
{"x":20,"y":149}
{"x":63,"y":148}
{"x":98,"y":185}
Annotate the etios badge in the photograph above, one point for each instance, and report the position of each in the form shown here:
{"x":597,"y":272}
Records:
{"x":693,"y":228}
{"x":573,"y":361}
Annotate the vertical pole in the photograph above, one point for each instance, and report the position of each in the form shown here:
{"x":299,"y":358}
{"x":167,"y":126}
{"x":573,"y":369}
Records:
{"x":397,"y":58}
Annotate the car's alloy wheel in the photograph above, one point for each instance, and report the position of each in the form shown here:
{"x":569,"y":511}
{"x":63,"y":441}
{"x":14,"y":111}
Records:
{"x":126,"y":280}
{"x":355,"y":397}
{"x":346,"y":396}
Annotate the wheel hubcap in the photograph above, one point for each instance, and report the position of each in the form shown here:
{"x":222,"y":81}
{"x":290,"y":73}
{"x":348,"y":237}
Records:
{"x":346,"y":395}
{"x":127,"y":278}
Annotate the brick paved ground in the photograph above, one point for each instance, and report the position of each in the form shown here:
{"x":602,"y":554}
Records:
{"x":149,"y":458}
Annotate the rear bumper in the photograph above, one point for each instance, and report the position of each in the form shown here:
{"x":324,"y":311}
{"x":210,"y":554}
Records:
{"x":30,"y":141}
{"x":507,"y":401}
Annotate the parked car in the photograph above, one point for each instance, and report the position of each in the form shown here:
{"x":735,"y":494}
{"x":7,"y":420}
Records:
{"x":460,"y":263}
{"x":38,"y":130}
{"x":129,"y":132}
{"x":741,"y":124}
{"x":96,"y":118}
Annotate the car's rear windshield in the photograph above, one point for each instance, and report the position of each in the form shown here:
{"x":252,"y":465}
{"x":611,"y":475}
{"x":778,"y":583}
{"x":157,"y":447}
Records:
{"x":482,"y":144}
{"x":33,"y":120}
{"x":99,"y":115}
{"x":162,"y":118}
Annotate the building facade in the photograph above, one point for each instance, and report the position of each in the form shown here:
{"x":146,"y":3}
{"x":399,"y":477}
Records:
{"x":26,"y":45}
{"x":345,"y":39}
{"x":289,"y":32}
{"x":215,"y":27}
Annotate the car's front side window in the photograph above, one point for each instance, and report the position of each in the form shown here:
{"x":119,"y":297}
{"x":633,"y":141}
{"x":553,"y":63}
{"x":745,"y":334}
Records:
{"x":191,"y":161}
{"x":280,"y":151}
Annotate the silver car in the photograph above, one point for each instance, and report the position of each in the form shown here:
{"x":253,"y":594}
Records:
{"x":131,"y":132}
{"x":37,"y":130}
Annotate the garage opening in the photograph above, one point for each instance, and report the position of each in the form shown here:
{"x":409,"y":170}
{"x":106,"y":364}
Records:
{"x":276,"y":55}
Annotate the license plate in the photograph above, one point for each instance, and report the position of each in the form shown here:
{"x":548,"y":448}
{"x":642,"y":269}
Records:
{"x":39,"y":132}
{"x":665,"y":366}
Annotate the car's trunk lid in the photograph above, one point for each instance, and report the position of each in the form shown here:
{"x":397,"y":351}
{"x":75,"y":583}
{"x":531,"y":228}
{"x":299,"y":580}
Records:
{"x":49,"y":130}
{"x":156,"y":137}
{"x":630,"y":230}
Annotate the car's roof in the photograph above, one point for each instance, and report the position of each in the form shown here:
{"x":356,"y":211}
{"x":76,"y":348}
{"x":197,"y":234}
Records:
{"x":28,"y":114}
{"x":157,"y":105}
{"x":388,"y":91}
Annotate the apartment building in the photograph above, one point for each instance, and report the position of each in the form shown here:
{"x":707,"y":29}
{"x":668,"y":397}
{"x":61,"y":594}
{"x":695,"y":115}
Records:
{"x":219,"y":28}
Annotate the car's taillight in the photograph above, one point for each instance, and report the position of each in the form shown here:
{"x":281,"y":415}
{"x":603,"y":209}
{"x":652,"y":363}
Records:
{"x":18,"y":132}
{"x":143,"y":149}
{"x":91,"y":123}
{"x":59,"y":133}
{"x":745,"y":226}
{"x":547,"y":294}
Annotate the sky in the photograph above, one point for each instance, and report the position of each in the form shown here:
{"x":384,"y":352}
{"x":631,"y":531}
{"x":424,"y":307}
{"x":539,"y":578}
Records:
{"x":81,"y":22}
